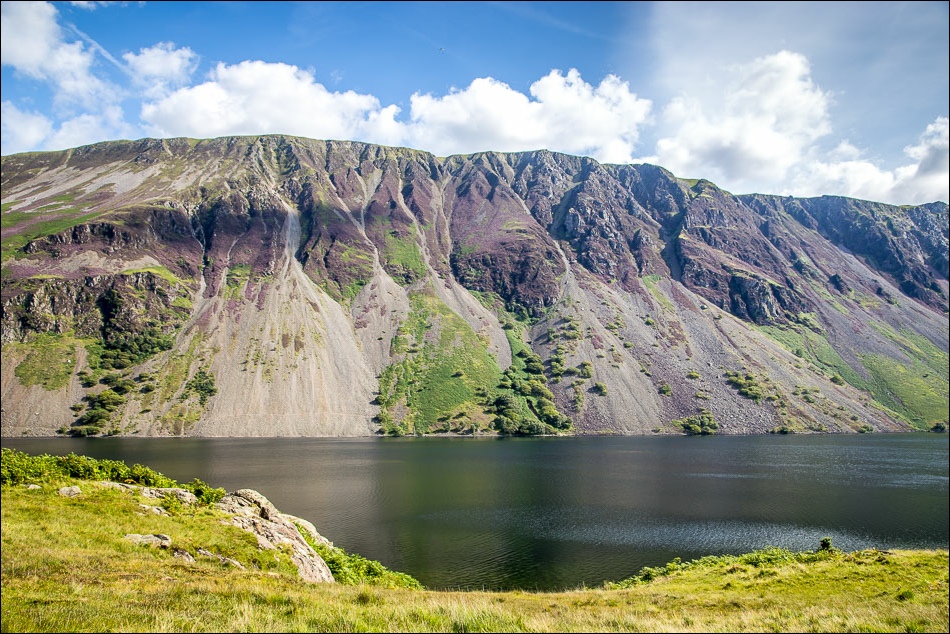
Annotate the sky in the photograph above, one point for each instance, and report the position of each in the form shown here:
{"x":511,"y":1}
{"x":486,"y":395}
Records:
{"x":785,"y":98}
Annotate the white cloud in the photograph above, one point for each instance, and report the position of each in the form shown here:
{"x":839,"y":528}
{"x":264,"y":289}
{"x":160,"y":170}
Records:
{"x":28,"y":34}
{"x":21,"y":131}
{"x":767,"y":118}
{"x":90,"y":5}
{"x":925,"y":179}
{"x":32,"y":42}
{"x":256,"y":97}
{"x":26,"y":131}
{"x":763,"y":134}
{"x":107,"y":123}
{"x":161,"y":68}
{"x":567,"y":115}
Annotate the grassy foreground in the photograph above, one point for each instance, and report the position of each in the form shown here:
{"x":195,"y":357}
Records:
{"x":66,"y":567}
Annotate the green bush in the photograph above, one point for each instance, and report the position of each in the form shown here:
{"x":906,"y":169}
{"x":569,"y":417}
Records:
{"x":747,"y":385}
{"x":350,"y":569}
{"x":17,"y":467}
{"x":702,"y":424}
{"x":202,"y":384}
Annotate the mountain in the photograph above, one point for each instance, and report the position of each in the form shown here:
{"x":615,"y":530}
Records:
{"x":282,"y":286}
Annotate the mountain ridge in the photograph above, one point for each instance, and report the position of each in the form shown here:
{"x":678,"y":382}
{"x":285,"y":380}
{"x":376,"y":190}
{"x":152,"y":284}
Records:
{"x":304,"y":287}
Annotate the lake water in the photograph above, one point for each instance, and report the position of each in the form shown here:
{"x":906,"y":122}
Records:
{"x":557,"y":513}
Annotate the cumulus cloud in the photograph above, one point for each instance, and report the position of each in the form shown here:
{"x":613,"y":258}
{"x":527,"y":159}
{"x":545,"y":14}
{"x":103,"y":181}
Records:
{"x":86,"y":128}
{"x":32,"y":42}
{"x":21,"y":131}
{"x":161,"y":68}
{"x":763,"y":134}
{"x":566,"y":114}
{"x":769,"y":116}
{"x":925,"y":178}
{"x":563,"y":113}
{"x":256,"y":97}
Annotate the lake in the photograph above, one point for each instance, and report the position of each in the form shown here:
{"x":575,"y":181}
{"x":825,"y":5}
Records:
{"x":559,"y":513}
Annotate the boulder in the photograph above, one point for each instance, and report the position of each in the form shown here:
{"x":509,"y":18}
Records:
{"x":254,"y":513}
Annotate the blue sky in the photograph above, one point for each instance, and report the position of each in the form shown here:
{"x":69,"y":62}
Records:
{"x":791,"y":98}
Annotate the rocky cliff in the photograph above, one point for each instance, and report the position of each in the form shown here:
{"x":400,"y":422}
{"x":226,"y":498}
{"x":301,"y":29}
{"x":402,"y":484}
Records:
{"x":280,"y":286}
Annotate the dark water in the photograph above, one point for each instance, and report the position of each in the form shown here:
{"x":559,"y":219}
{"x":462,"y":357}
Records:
{"x":554,"y":513}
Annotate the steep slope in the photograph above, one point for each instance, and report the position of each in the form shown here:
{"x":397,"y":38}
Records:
{"x":279,"y":286}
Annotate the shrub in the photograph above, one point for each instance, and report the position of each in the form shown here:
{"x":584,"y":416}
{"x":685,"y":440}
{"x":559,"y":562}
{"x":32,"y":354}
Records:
{"x":746,"y":384}
{"x":578,"y":387}
{"x":350,"y":569}
{"x":702,"y":424}
{"x":202,"y":384}
{"x":205,"y":493}
{"x":17,"y":467}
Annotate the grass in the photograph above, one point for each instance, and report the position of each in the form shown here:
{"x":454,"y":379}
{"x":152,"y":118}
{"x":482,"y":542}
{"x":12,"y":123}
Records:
{"x":917,"y":391}
{"x":912,"y":389}
{"x":236,"y":279}
{"x":651,"y":282}
{"x":158,"y":271}
{"x":403,"y":258}
{"x":443,"y":364}
{"x":55,"y":222}
{"x":49,"y":362}
{"x":814,"y":348}
{"x":67,"y":567}
{"x":447,"y":381}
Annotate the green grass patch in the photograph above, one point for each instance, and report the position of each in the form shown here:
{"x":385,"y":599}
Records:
{"x":52,"y":223}
{"x":815,"y":349}
{"x":912,"y":389}
{"x":444,"y":364}
{"x":182,"y":302}
{"x":50,"y":360}
{"x":18,"y":467}
{"x":158,"y":271}
{"x":918,"y":347}
{"x":235,"y":280}
{"x":402,"y":258}
{"x":651,"y":282}
{"x":917,"y":390}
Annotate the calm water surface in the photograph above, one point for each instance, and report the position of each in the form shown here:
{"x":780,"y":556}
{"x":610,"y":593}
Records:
{"x":555,"y":513}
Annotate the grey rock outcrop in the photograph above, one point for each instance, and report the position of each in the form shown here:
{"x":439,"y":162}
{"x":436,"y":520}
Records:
{"x":253,"y":512}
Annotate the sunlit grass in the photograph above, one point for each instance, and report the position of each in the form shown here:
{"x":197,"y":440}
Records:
{"x":49,"y":360}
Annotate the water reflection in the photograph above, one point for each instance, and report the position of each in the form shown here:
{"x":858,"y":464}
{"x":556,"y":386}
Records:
{"x":553,"y":513}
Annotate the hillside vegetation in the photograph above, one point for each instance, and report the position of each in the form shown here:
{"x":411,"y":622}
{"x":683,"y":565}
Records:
{"x":282,"y":286}
{"x":67,"y":566}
